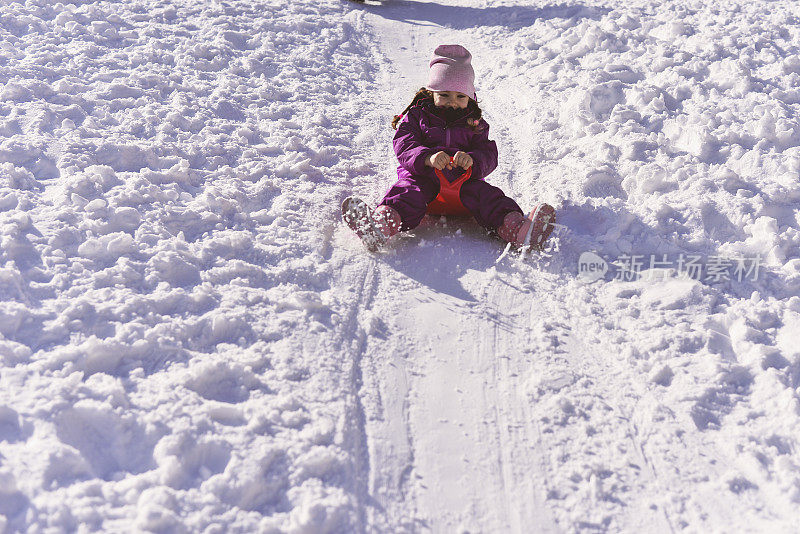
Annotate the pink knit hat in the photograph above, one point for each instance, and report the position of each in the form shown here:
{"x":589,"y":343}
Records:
{"x":451,"y":70}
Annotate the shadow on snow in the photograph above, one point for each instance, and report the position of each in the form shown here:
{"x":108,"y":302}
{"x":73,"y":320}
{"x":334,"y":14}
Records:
{"x":463,"y":17}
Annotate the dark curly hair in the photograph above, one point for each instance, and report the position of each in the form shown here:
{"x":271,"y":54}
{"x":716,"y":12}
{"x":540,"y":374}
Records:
{"x":424,"y":95}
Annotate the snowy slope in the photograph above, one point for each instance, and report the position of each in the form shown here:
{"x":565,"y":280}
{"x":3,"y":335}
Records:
{"x":191,"y":341}
{"x":532,"y":402}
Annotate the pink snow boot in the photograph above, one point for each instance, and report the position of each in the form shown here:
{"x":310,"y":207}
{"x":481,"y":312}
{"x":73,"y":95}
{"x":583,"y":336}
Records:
{"x":532,"y":230}
{"x":387,"y":219}
{"x":373,"y":227}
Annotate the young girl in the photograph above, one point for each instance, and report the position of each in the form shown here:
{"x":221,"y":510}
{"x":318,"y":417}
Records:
{"x":443,"y":147}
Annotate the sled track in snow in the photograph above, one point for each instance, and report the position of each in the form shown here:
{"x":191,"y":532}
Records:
{"x":517,"y":433}
{"x":351,"y":340}
{"x":452,"y":441}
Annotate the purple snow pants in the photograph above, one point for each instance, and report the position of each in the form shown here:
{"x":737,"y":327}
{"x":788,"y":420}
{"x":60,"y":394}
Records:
{"x":411,"y":194}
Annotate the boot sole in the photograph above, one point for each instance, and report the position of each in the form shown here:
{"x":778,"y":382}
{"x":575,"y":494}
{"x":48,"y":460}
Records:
{"x":543,"y":217}
{"x":357,"y":215}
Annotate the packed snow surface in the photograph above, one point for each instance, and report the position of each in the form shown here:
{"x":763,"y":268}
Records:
{"x":191,"y":341}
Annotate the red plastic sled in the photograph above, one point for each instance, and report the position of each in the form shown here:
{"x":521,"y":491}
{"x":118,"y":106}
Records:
{"x":448,"y":201}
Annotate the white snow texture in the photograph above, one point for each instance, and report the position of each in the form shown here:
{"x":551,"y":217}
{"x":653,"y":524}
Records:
{"x":192,"y":341}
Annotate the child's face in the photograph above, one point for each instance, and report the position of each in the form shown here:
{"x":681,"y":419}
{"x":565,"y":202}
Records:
{"x":450,"y":99}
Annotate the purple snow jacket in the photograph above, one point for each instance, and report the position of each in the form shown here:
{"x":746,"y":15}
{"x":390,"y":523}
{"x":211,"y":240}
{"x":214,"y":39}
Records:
{"x":422,"y":133}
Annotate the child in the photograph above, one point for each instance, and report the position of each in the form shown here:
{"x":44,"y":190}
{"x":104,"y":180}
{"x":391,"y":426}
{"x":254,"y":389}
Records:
{"x":441,"y":135}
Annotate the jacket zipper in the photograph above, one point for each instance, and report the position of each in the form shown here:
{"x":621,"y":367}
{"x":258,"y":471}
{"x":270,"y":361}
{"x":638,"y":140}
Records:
{"x":447,"y":136}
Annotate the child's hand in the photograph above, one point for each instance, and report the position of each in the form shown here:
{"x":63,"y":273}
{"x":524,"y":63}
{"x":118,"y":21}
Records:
{"x":463,"y":160}
{"x":440,"y":160}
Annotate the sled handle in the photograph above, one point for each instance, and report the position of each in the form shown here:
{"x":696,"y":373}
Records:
{"x":465,"y":176}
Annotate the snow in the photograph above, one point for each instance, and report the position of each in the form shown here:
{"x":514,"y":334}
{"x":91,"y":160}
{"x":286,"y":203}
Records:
{"x":190,"y":340}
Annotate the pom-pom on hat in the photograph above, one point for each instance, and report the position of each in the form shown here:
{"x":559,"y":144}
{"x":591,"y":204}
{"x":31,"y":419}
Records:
{"x":451,"y":70}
